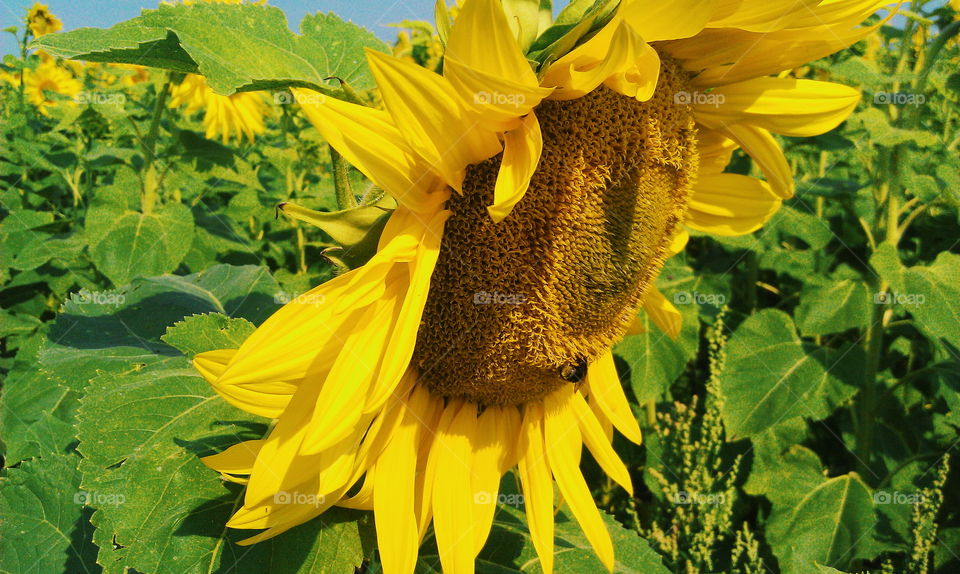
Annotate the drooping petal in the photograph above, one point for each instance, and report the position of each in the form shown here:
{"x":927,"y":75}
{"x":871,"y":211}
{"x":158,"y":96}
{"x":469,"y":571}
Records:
{"x":368,"y":139}
{"x":238,"y":459}
{"x":597,"y":441}
{"x":432,"y":118}
{"x":393,"y":502}
{"x":764,"y":149}
{"x":606,"y":390}
{"x":638,"y":81}
{"x":489,"y":70}
{"x":521,"y":155}
{"x":211,"y":364}
{"x":730,"y":204}
{"x":662,"y":312}
{"x":611,"y":52}
{"x":795,"y":108}
{"x":563,"y":439}
{"x":497,"y":430}
{"x":537,"y":483}
{"x":452,"y":494}
{"x":403,"y":338}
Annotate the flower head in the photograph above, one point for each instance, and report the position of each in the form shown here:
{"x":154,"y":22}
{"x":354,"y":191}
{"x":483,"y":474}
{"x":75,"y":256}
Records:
{"x":41,"y":21}
{"x":49,"y":85}
{"x":535,"y":207}
{"x":238,"y":116}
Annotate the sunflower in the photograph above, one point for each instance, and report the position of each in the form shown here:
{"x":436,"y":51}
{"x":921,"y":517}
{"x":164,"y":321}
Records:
{"x":536,"y":205}
{"x":225,"y":117}
{"x":41,"y":21}
{"x":50,"y":84}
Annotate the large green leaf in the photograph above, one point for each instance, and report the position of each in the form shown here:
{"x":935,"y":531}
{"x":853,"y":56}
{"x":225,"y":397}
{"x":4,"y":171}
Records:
{"x":933,"y":298}
{"x":834,"y":307}
{"x":237,"y":47}
{"x":43,"y":520}
{"x":125,"y":244}
{"x":146,"y":417}
{"x":827,"y":524}
{"x":772,"y":376}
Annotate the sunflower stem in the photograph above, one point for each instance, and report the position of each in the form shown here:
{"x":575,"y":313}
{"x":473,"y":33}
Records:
{"x":148,"y":147}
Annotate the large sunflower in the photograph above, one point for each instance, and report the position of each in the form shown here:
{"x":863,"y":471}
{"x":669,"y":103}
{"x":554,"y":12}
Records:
{"x":535,"y":207}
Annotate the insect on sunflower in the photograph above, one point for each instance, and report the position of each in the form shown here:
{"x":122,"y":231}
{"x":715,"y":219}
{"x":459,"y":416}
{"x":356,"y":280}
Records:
{"x":536,"y":204}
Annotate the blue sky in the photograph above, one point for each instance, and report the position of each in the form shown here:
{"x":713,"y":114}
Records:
{"x":372,"y":14}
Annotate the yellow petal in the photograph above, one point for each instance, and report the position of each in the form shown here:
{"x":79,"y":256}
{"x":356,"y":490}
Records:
{"x":679,"y":242}
{"x":429,"y":113}
{"x":656,"y":20}
{"x":610,"y":52}
{"x":563,"y":440}
{"x":497,"y":429}
{"x":489,"y":70}
{"x":764,"y":149}
{"x":605,"y":389}
{"x":794,"y":108}
{"x":599,"y":444}
{"x":238,"y":459}
{"x":339,"y":406}
{"x":640,"y":79}
{"x":452,"y":494}
{"x":537,"y":483}
{"x":521,"y":155}
{"x":363,"y":499}
{"x":393,"y":504}
{"x":662,"y":312}
{"x":730,"y":204}
{"x":368,"y":139}
{"x":403,"y":338}
{"x":716,"y":150}
{"x":211,"y":364}
{"x":767,"y":16}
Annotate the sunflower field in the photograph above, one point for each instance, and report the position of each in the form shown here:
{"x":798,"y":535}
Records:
{"x":611,"y":286}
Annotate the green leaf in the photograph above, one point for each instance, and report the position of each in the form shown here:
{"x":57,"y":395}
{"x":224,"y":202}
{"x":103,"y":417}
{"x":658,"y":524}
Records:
{"x":828,"y":524}
{"x":44,"y":523}
{"x":655,"y":360}
{"x":834,"y":307}
{"x":125,"y":244}
{"x":200,"y":333}
{"x":933,"y":298}
{"x":886,"y":263}
{"x":22,"y":240}
{"x":771,"y":376}
{"x":146,"y":417}
{"x":236,"y":47}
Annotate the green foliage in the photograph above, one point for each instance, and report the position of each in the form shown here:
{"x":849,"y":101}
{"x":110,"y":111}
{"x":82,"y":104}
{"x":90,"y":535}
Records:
{"x":253,"y":48}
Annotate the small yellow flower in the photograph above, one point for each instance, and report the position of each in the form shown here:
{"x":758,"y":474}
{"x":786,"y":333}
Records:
{"x":41,"y":21}
{"x":50,"y":78}
{"x":225,"y":117}
{"x":11,"y":78}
